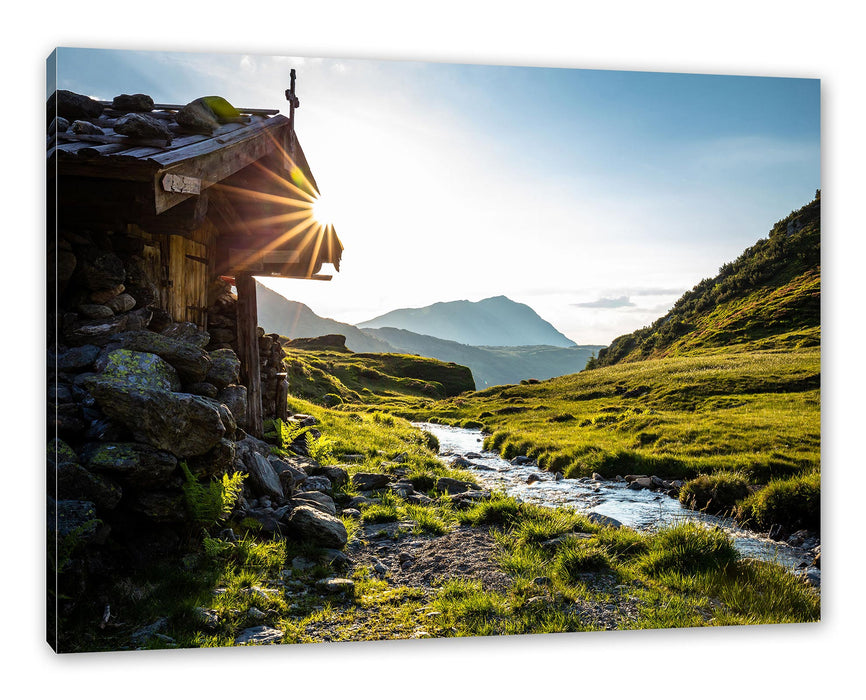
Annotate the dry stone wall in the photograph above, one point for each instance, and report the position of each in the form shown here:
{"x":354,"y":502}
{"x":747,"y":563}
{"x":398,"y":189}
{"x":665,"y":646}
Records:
{"x":133,"y":396}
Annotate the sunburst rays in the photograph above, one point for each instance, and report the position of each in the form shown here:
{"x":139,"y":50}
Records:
{"x":303,"y":214}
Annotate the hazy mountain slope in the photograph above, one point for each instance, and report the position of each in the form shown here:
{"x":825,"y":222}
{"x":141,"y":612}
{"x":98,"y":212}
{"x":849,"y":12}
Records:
{"x":489,"y":365}
{"x":493,"y":365}
{"x":768,"y":298}
{"x":295,"y":320}
{"x":496,"y":321}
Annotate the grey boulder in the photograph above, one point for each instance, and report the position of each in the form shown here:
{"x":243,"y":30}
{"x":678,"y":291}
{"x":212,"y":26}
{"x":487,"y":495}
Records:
{"x":263,"y":476}
{"x":183,"y":424}
{"x":225,"y":368}
{"x":191,"y":362}
{"x":316,"y":527}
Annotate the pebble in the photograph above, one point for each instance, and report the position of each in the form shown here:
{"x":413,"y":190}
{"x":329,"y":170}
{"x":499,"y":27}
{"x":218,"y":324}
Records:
{"x":379,"y":567}
{"x":302,"y":563}
{"x":333,"y":584}
{"x":259,"y":635}
{"x":255,"y":614}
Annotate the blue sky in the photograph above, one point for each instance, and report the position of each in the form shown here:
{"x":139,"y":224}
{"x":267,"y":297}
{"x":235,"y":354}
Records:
{"x":596,"y":197}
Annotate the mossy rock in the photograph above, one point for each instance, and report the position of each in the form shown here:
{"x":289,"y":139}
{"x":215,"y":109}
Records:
{"x":58,"y":452}
{"x":183,"y":424}
{"x":225,"y":368}
{"x":141,"y":369}
{"x":191,"y":362}
{"x":140,"y":465}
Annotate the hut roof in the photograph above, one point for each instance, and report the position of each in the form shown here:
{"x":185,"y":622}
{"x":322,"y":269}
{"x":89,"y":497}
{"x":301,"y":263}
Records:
{"x":159,"y":173}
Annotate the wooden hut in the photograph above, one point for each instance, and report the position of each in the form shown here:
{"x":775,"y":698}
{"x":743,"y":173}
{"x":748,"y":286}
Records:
{"x":233,"y":203}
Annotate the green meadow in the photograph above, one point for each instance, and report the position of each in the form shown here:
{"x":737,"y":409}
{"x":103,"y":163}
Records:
{"x":564,"y":573}
{"x":752,"y":417}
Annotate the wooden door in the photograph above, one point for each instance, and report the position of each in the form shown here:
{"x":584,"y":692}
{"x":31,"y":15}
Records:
{"x":188,"y":279}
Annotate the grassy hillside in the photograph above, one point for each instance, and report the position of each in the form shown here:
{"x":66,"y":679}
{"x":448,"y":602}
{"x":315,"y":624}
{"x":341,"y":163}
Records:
{"x":755,"y":412}
{"x":559,"y":572}
{"x":769,"y":297}
{"x":332,"y":374}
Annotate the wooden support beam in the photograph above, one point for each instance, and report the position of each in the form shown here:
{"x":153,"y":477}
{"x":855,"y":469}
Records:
{"x":248,"y":349}
{"x":203,"y":163}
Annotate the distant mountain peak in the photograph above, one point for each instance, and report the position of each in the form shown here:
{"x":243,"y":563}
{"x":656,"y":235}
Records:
{"x":494,"y":321}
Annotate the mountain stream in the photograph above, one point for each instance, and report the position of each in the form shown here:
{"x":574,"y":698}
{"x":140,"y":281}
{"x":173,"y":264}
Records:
{"x":642,"y":510}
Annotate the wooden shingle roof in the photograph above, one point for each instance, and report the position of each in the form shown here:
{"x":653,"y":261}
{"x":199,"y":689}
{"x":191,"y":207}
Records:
{"x":208,"y":158}
{"x":162,"y":173}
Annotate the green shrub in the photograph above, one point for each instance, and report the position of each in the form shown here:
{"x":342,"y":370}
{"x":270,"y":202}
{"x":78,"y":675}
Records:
{"x":422,"y":480}
{"x":331,"y":400}
{"x":320,"y":449}
{"x":717,"y":494}
{"x":387,"y":511}
{"x":499,"y":509}
{"x":284,"y":433}
{"x":688,"y":548}
{"x":794,"y":503}
{"x":431,"y":442}
{"x":515,"y":448}
{"x":540,"y":524}
{"x":494,"y":442}
{"x":381,"y":513}
{"x":574,"y":559}
{"x":621,"y":543}
{"x":383,"y":418}
{"x":427,"y":519}
{"x":555,"y":462}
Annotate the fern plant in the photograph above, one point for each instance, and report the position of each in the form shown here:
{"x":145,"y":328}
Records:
{"x":285,"y":433}
{"x":320,"y":449}
{"x":211,"y":503}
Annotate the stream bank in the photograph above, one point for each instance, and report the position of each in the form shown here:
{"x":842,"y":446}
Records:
{"x":638,"y":509}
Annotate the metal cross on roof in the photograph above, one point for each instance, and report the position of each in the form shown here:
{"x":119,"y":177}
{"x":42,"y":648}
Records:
{"x":294,"y":103}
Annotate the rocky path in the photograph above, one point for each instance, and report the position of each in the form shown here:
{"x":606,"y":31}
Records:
{"x":420,"y":564}
{"x":425,"y":561}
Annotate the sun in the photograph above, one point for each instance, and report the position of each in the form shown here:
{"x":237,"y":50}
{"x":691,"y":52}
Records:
{"x":323,"y":210}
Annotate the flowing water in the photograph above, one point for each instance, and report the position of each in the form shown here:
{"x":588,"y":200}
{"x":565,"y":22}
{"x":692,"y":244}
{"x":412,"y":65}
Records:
{"x":642,"y":510}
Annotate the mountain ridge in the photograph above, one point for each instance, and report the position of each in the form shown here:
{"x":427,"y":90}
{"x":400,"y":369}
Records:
{"x":495,"y":321}
{"x":292,"y":319}
{"x":490,"y":365}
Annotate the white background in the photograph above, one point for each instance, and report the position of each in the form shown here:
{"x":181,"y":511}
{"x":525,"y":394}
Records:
{"x":798,"y":39}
